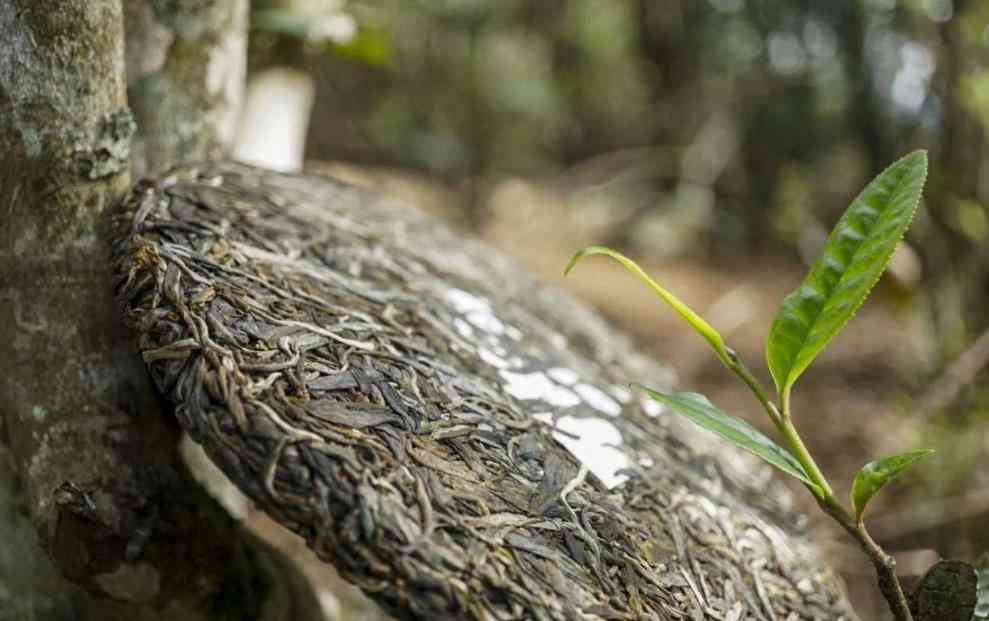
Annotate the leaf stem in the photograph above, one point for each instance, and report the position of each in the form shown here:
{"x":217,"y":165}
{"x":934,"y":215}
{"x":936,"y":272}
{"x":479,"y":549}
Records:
{"x":821,"y":488}
{"x":884,"y":564}
{"x":889,"y":584}
{"x":736,"y":366}
{"x":800,"y":452}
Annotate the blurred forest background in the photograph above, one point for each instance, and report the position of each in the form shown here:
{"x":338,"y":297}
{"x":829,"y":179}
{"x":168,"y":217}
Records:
{"x":717,"y":141}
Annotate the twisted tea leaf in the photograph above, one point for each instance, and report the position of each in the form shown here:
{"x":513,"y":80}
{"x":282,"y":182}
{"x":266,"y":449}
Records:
{"x":876,"y":474}
{"x":853,"y":259}
{"x":743,"y":435}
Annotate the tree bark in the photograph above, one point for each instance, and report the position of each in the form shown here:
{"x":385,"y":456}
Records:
{"x":186,"y":69}
{"x":110,"y":501}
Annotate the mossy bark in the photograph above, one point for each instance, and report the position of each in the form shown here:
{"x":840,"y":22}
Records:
{"x":186,"y":66}
{"x":101,"y":480}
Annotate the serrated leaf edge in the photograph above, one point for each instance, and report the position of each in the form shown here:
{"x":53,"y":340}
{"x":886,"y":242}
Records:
{"x":783,"y":386}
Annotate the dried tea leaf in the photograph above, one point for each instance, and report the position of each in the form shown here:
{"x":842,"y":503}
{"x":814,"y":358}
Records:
{"x":947,"y":592}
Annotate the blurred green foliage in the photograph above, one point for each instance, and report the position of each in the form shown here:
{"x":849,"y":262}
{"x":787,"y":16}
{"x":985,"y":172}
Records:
{"x":716,"y":127}
{"x":720,"y":127}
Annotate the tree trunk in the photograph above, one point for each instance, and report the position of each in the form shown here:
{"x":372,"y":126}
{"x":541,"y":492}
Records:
{"x":186,"y":69}
{"x":110,"y":501}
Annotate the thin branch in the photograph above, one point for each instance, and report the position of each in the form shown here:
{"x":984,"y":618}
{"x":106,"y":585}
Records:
{"x":884,"y":564}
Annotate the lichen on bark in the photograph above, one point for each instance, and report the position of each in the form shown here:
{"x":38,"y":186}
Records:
{"x":108,"y":151}
{"x":100,"y":475}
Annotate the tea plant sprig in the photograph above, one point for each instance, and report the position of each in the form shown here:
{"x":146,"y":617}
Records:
{"x":853,"y":259}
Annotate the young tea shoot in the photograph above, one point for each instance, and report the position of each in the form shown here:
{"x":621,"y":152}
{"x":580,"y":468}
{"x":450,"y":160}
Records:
{"x":854,"y":257}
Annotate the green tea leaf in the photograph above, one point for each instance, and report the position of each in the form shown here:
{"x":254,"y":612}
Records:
{"x":854,"y":258}
{"x":696,"y":322}
{"x":876,"y":474}
{"x":743,"y":435}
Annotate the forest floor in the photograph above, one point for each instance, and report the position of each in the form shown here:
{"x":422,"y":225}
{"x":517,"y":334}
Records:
{"x":853,"y":405}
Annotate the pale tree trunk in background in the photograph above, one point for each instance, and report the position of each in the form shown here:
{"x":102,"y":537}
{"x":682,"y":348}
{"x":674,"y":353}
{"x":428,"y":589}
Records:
{"x":276,"y":119}
{"x":279,"y":102}
{"x":186,"y":66}
{"x":104,"y":489}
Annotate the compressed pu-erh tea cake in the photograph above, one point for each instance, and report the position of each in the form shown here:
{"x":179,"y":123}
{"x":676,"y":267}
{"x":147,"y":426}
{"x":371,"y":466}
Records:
{"x":457,"y":439}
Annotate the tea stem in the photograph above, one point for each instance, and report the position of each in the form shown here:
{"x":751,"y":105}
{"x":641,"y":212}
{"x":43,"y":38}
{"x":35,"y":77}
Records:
{"x":783,"y":423}
{"x":801,"y":453}
{"x":736,"y":366}
{"x":884,"y":564}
